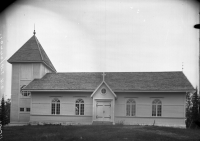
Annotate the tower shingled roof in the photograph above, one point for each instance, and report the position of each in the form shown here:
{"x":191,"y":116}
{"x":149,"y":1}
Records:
{"x":32,"y":51}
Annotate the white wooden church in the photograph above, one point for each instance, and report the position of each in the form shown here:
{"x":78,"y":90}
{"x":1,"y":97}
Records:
{"x":41,"y":95}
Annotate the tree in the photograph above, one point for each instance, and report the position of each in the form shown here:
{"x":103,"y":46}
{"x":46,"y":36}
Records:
{"x":195,"y":103}
{"x":7,"y":110}
{"x":2,"y":112}
{"x":188,"y":109}
{"x":192,"y":110}
{"x":194,"y":116}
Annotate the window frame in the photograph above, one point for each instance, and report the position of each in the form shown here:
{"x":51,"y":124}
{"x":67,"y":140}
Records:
{"x":156,"y":108}
{"x":28,"y":110}
{"x":24,"y":93}
{"x":55,"y":106}
{"x":20,"y":109}
{"x":131,"y":112}
{"x":103,"y":91}
{"x":79,"y":107}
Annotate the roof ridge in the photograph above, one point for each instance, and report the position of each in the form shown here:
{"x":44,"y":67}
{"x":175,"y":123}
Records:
{"x":38,"y":47}
{"x":42,"y":57}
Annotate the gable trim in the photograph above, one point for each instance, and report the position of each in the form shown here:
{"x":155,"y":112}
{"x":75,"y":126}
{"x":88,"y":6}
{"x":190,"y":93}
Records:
{"x":106,"y":86}
{"x":39,"y":90}
{"x":57,"y":90}
{"x":188,"y":90}
{"x":35,"y":62}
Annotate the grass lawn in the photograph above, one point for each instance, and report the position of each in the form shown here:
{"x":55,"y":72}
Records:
{"x":98,"y":133}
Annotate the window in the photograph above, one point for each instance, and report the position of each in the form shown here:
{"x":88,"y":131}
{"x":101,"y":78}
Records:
{"x":55,"y":106}
{"x":25,"y":93}
{"x":156,"y":108}
{"x":21,"y":109}
{"x":79,"y":107}
{"x":103,"y":91}
{"x":130,"y":107}
{"x":28,"y":109}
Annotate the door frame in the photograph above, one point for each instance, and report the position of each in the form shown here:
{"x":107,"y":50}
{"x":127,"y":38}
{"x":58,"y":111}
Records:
{"x":112,"y":102}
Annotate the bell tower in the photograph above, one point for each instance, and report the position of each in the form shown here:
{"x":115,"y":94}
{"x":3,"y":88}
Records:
{"x":28,"y":63}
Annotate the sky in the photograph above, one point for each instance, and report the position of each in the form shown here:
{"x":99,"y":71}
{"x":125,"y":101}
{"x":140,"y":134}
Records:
{"x":105,"y":35}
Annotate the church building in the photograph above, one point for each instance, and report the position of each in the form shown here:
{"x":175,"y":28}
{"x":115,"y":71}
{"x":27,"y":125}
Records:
{"x":40,"y":94}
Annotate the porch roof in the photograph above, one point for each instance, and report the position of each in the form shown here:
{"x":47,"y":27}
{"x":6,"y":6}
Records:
{"x":117,"y":81}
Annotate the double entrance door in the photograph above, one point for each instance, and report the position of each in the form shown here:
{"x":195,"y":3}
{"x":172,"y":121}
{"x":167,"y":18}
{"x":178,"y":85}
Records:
{"x":103,"y":111}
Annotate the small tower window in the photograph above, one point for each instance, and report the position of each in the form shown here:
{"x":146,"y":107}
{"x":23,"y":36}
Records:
{"x":25,"y":93}
{"x":28,"y":109}
{"x":21,"y":109}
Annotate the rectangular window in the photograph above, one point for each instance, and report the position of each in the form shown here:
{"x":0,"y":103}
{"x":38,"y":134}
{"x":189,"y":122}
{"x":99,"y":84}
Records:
{"x":77,"y":109}
{"x":21,"y":109}
{"x":159,"y":110}
{"x":26,"y":93}
{"x":133,"y":110}
{"x":28,"y":109}
{"x":127,"y":110}
{"x":153,"y":110}
{"x":82,"y":109}
{"x":53,"y":108}
{"x":58,"y":108}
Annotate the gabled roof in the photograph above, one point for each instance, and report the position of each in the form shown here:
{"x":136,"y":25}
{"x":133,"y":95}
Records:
{"x":32,"y":51}
{"x":103,"y":82}
{"x":67,"y":81}
{"x":117,"y":81}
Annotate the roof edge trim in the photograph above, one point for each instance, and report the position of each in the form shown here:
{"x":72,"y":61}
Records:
{"x":39,"y":48}
{"x":106,"y":86}
{"x":93,"y":91}
{"x":34,"y":62}
{"x":31,"y":90}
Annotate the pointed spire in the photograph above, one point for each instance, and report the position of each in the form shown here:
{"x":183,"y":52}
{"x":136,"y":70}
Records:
{"x":32,"y":51}
{"x":34,"y":30}
{"x":182,"y":66}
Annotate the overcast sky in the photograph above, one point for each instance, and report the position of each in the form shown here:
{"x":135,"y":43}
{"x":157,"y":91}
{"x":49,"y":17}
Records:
{"x":107,"y":35}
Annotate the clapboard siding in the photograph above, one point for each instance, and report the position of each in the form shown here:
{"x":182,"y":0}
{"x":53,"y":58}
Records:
{"x":23,"y":74}
{"x":61,"y":119}
{"x":164,"y":121}
{"x":173,"y":104}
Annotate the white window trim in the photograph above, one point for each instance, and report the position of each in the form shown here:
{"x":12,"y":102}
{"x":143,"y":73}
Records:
{"x":25,"y":110}
{"x":130,"y":111}
{"x":56,"y":107}
{"x":23,"y":92}
{"x":156,"y":108}
{"x":79,"y":114}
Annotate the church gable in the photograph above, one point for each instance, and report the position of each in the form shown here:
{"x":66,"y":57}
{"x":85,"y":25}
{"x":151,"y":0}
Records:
{"x":103,"y":91}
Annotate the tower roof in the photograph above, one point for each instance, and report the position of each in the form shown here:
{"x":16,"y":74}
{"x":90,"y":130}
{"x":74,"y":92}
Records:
{"x":32,"y":51}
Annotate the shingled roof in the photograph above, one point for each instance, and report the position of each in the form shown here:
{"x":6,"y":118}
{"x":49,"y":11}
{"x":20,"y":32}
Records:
{"x":32,"y":51}
{"x":118,"y":81}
